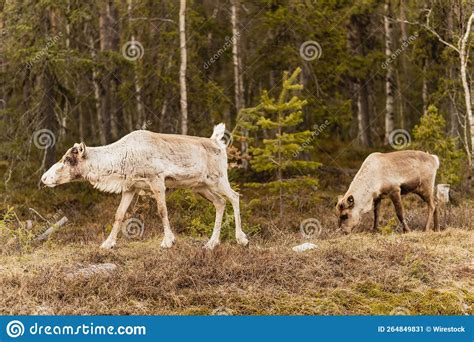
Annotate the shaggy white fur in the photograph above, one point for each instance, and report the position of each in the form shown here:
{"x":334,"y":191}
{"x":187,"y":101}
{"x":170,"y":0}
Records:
{"x":144,"y":161}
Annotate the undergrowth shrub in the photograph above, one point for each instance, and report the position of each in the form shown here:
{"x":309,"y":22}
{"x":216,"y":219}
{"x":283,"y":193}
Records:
{"x":429,"y":135}
{"x":14,"y":237}
{"x":194,"y":216}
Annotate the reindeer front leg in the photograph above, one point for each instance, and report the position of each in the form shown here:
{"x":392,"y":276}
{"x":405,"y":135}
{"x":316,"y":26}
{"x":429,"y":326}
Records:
{"x":377,"y":203}
{"x":127,"y":197}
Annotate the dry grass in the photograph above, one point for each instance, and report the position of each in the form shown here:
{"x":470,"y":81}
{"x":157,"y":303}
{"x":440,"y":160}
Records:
{"x":424,"y":273}
{"x":364,"y":273}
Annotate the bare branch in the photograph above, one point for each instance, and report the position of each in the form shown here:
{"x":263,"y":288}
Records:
{"x":430,"y":29}
{"x":466,"y":36}
{"x":154,"y":19}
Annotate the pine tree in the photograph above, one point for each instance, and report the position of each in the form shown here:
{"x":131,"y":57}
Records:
{"x":277,"y":154}
{"x":429,"y":135}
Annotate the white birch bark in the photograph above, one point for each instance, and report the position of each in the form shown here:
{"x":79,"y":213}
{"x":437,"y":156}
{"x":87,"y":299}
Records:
{"x":389,"y":82}
{"x":182,"y":68}
{"x":238,"y":79}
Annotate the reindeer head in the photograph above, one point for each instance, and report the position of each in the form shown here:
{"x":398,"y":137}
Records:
{"x":68,"y":168}
{"x":349,"y":216}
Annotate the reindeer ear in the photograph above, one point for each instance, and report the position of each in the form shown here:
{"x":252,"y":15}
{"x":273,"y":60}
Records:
{"x":350,"y":201}
{"x":340,"y":203}
{"x":82,"y":149}
{"x":79,"y":150}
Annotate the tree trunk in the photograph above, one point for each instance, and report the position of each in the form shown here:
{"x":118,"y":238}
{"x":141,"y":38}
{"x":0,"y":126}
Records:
{"x":141,"y":119}
{"x":363,"y":116}
{"x":354,"y":127}
{"x":357,"y":38}
{"x":469,"y":121}
{"x":182,"y":68}
{"x":95,"y":84}
{"x":238,"y":79}
{"x":389,"y":82}
{"x":424,"y":90}
{"x":403,"y":74}
{"x":115,"y":105}
{"x":104,"y":85}
{"x":453,"y":112}
{"x":49,"y":120}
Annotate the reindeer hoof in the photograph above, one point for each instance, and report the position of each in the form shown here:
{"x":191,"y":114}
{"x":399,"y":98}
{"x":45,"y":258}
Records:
{"x":167,"y":242}
{"x":107,"y":244}
{"x":211,"y":244}
{"x":242,"y":240}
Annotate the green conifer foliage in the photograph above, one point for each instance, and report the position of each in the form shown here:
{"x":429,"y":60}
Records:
{"x":278,"y":153}
{"x":429,"y":135}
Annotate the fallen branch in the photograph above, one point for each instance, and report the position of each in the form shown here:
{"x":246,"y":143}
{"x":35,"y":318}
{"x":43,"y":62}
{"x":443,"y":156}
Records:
{"x":52,"y":229}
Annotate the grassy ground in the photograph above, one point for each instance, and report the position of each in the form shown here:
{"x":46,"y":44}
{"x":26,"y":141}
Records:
{"x":364,"y":273}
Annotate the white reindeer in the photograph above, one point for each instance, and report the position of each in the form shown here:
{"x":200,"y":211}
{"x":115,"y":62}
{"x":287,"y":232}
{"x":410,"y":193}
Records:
{"x":144,"y":161}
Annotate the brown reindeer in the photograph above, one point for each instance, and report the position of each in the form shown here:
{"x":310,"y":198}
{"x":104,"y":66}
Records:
{"x":390,"y":175}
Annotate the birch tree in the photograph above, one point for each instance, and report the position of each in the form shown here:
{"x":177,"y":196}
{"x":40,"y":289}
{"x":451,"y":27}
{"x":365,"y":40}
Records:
{"x":389,"y":87}
{"x":141,"y":119}
{"x":104,"y":85}
{"x":402,"y":74}
{"x":461,"y":48}
{"x":238,"y":79}
{"x":182,"y":68}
